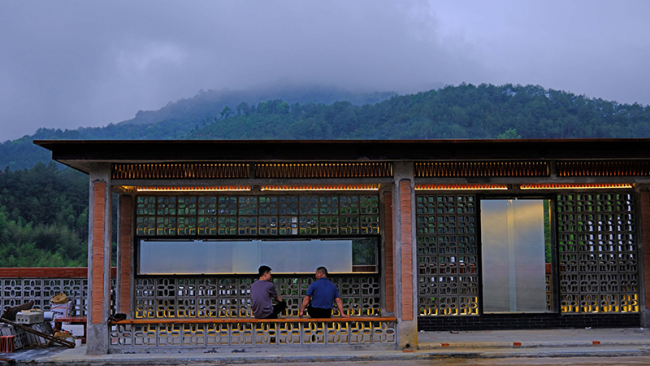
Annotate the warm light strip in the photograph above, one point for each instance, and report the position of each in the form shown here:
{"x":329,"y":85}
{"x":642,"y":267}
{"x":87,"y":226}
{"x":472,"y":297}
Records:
{"x":322,"y":187}
{"x":460,"y":187}
{"x":195,"y":189}
{"x":575,"y":186}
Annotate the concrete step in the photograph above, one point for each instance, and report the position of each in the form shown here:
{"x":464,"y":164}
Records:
{"x":542,"y":338}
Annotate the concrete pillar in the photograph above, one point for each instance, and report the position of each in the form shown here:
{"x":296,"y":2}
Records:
{"x":124,"y":255}
{"x":99,"y":259}
{"x":407,"y":327}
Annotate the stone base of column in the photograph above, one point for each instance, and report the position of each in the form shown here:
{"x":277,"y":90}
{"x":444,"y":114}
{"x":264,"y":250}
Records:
{"x":97,"y":339}
{"x":407,"y":335}
{"x":645,"y":318}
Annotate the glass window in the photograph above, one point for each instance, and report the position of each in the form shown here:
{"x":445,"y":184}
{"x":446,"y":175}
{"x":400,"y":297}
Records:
{"x":516,"y":255}
{"x":158,"y":257}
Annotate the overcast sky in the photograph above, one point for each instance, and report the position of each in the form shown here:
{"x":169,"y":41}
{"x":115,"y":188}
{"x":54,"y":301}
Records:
{"x":67,"y":64}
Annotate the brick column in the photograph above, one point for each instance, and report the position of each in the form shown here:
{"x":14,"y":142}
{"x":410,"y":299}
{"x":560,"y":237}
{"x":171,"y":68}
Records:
{"x":99,"y":256}
{"x":406,"y":249}
{"x":124,"y":255}
{"x":407,"y":327}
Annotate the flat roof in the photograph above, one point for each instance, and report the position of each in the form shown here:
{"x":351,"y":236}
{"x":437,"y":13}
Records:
{"x":79,"y":154}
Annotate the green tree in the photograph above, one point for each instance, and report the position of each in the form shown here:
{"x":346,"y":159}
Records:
{"x":226,"y":112}
{"x":509,"y":134}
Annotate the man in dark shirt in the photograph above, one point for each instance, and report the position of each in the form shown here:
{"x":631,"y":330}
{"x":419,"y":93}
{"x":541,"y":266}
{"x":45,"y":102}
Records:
{"x":322,"y":293}
{"x":262,"y":293}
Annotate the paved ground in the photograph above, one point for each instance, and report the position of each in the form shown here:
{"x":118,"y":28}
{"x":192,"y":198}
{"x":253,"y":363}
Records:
{"x":577,"y":361}
{"x":539,"y":347}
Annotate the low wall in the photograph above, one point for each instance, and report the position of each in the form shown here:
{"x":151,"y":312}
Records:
{"x":20,"y":285}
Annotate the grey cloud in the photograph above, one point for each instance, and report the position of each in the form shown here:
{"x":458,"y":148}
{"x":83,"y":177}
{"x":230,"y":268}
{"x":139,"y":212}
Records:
{"x":592,"y":47}
{"x":67,"y":64}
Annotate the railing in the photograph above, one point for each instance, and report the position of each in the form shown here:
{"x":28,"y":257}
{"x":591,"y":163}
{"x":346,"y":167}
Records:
{"x":145,"y":335}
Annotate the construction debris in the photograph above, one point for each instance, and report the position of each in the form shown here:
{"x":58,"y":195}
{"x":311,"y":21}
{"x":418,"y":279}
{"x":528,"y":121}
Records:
{"x":46,"y":336}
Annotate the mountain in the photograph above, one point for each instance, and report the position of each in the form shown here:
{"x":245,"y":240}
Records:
{"x":177,"y":119}
{"x":209,"y":104}
{"x":464,"y":111}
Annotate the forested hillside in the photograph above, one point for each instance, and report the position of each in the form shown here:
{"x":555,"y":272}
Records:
{"x":207,"y":104}
{"x":43,"y":209}
{"x":176,"y":119}
{"x":464,"y":111}
{"x":43,"y":217}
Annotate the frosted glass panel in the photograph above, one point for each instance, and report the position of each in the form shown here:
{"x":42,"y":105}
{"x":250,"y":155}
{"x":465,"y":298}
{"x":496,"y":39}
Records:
{"x":185,"y":257}
{"x":243,"y":257}
{"x":513,"y":256}
{"x":306,"y":256}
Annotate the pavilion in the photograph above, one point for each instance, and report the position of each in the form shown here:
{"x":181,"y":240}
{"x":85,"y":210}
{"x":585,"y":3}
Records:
{"x":417,"y":235}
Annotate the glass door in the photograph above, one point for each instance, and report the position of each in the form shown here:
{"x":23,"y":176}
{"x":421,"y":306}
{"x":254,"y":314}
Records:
{"x":516,"y":256}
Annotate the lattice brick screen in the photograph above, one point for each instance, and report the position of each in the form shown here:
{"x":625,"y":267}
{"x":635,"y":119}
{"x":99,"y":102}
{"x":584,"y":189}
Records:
{"x":344,"y":214}
{"x":209,"y":297}
{"x":447,"y":255}
{"x":598,"y":253}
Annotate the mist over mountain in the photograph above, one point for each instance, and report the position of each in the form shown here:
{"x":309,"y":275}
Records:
{"x":464,"y":111}
{"x":177,"y":119}
{"x":210,"y":103}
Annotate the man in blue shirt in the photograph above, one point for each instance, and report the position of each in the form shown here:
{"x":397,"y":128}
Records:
{"x":322,"y":293}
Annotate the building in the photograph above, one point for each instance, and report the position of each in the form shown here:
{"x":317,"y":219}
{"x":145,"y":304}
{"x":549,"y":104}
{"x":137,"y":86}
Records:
{"x":418,"y":235}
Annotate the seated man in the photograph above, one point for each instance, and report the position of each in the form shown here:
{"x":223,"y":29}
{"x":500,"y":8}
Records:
{"x":262,"y":293}
{"x":322,"y":293}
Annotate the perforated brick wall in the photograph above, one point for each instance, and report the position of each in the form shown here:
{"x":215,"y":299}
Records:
{"x":389,"y":250}
{"x":125,"y":254}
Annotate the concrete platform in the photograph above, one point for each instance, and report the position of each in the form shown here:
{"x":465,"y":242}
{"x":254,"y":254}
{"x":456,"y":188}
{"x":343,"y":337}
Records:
{"x":465,"y":345}
{"x":534,"y":338}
